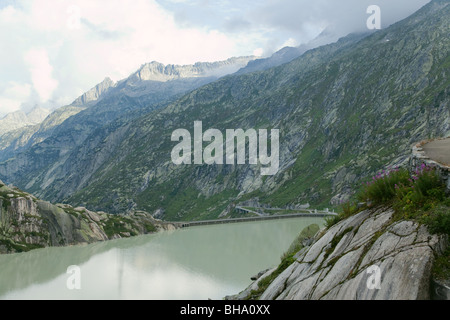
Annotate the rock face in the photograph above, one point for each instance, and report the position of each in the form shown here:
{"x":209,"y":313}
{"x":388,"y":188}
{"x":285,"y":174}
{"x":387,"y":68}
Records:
{"x":369,"y":256}
{"x":95,"y":93}
{"x":20,"y":119}
{"x":344,"y":111}
{"x":28,"y":223}
{"x":37,"y":156}
{"x":155,"y":71}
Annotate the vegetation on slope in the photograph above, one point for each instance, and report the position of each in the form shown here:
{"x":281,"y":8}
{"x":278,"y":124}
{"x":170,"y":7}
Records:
{"x":419,"y":196}
{"x":343,"y":111}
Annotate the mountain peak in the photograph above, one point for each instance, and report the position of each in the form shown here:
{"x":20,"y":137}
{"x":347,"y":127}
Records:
{"x":156,"y":71}
{"x":19,"y":119}
{"x":95,"y":93}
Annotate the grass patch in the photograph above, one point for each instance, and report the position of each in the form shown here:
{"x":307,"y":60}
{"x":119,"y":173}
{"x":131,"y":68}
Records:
{"x":72,"y":212}
{"x":298,"y":244}
{"x":116,"y":225}
{"x":264,"y":283}
{"x":149,"y":227}
{"x":419,"y":196}
{"x":13,"y":247}
{"x":347,"y":210}
{"x":441,"y":267}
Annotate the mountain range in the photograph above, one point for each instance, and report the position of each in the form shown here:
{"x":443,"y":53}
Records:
{"x":19,"y":119}
{"x":107,"y":101}
{"x":344,"y":110}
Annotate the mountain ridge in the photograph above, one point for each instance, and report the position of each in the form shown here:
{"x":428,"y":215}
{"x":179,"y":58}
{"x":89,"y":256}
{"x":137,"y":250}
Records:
{"x":156,"y":71}
{"x":95,"y":93}
{"x":344,"y":111}
{"x":106,"y":102}
{"x":344,"y":122}
{"x":20,"y":119}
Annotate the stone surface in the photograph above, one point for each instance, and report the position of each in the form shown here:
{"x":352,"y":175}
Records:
{"x":28,"y":223}
{"x":343,"y":113}
{"x":155,"y":71}
{"x":402,"y":251}
{"x":19,"y":119}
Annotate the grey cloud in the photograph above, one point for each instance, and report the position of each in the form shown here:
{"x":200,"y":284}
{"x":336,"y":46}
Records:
{"x":344,"y":16}
{"x":100,"y":32}
{"x":280,"y":20}
{"x":237,"y":24}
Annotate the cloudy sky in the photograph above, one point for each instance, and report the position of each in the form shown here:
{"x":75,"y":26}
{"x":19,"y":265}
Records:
{"x":53,"y":51}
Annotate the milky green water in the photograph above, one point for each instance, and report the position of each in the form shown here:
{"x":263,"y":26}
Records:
{"x":190,"y":264}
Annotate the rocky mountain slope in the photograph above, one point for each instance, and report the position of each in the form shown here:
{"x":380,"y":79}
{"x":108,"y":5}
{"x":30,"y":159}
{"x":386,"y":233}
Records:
{"x":394,"y":247}
{"x":287,"y":54}
{"x":344,"y":111}
{"x":28,"y":223}
{"x":49,"y":144}
{"x":156,"y":71}
{"x":19,"y":119}
{"x":95,"y":94}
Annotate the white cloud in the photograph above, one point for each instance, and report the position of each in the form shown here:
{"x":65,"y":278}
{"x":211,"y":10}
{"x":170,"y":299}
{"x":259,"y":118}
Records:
{"x":41,"y":73}
{"x":291,"y":42}
{"x":17,"y":91}
{"x":258,"y":52}
{"x":8,"y":105}
{"x":12,"y":97}
{"x":68,"y":46}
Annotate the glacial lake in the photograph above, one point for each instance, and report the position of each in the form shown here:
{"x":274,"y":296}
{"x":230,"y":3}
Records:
{"x":198,"y":263}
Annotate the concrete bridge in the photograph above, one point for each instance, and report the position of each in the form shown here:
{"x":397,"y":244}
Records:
{"x":261,"y":213}
{"x":319,"y":214}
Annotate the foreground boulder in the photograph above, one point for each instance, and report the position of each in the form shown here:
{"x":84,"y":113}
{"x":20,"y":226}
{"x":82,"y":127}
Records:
{"x":369,"y":256}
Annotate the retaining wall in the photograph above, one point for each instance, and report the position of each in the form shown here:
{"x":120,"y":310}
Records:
{"x":420,"y":157}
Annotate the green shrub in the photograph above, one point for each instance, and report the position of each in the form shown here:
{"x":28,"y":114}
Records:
{"x":418,"y":195}
{"x":348,"y":209}
{"x":297,"y":245}
{"x":438,"y":221}
{"x":441,"y":267}
{"x":383,"y":187}
{"x":264,"y":283}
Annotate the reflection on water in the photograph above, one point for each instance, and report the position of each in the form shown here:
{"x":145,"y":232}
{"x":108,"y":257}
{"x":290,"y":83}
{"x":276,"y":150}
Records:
{"x":194,"y":263}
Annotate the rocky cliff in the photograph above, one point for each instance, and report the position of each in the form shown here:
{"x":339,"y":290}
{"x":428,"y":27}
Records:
{"x":155,"y":71}
{"x":95,"y":93}
{"x":388,"y":250}
{"x":343,"y":111}
{"x":28,"y":223}
{"x":344,"y":262}
{"x":19,"y":119}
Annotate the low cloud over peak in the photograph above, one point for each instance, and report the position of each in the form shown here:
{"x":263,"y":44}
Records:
{"x":59,"y":49}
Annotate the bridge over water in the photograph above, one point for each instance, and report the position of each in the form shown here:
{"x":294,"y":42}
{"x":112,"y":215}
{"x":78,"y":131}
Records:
{"x":311,"y":214}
